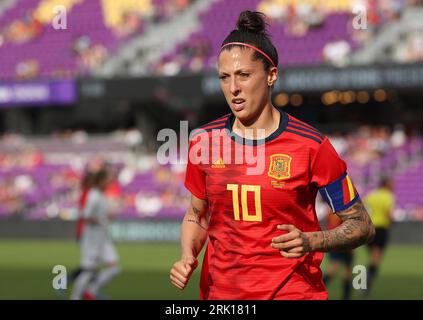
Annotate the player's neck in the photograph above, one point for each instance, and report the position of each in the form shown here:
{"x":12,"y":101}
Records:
{"x":268,"y":120}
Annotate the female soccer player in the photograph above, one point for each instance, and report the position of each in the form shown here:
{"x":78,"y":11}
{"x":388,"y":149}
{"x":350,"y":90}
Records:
{"x":264,"y":238}
{"x":97,"y":249}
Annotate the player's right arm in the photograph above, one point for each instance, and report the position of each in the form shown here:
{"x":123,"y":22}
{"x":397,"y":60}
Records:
{"x":193,"y":236}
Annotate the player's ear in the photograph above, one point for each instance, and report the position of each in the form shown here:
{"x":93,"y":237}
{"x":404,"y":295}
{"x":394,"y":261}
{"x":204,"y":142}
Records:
{"x":272,"y":76}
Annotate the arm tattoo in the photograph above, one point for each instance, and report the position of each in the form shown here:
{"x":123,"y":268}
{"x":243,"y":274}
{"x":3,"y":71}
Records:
{"x":197,"y":222}
{"x":194,"y":218}
{"x":306,"y":242}
{"x":196,"y":210}
{"x":356,"y":229}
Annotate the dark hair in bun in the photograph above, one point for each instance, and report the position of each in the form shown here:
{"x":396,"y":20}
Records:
{"x":252,"y":22}
{"x":251,"y":29}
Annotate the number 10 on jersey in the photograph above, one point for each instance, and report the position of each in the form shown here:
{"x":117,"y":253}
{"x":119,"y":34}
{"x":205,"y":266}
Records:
{"x":245,"y":190}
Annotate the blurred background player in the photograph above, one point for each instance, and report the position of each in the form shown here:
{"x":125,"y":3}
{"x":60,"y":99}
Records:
{"x":343,"y":258}
{"x":97,"y":248}
{"x":380,"y":204}
{"x":86,"y":184}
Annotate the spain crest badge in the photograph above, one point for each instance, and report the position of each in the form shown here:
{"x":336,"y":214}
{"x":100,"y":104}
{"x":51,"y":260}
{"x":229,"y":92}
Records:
{"x":280,"y":166}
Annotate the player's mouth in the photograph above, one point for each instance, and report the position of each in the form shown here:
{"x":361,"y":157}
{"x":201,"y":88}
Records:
{"x":238,"y":104}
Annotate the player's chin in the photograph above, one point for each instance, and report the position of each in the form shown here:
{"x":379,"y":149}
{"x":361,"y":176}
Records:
{"x":243,"y":115}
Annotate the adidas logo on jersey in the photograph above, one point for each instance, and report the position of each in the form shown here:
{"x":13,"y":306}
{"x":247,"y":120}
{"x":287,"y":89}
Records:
{"x":219,"y":164}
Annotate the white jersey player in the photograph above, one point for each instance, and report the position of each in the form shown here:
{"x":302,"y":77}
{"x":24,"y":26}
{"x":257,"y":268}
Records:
{"x":97,"y":248}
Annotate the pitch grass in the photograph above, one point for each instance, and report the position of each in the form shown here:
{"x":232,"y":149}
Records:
{"x":26,"y":271}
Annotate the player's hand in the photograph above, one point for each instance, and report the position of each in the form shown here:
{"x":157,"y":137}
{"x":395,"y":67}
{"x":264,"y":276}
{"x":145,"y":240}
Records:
{"x":293,"y":244}
{"x":182,"y":271}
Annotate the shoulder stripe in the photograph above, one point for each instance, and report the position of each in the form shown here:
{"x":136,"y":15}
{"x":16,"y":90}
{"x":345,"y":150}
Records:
{"x":223,"y":118}
{"x":197,"y":131}
{"x":316,"y":133}
{"x":214,"y":126}
{"x":319,"y":141}
{"x":302,"y":123}
{"x":220,"y":123}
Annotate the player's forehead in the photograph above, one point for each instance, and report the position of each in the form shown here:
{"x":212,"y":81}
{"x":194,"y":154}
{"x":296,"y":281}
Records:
{"x":236,"y":58}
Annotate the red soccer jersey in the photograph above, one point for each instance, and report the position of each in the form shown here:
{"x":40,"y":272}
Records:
{"x":245,"y":209}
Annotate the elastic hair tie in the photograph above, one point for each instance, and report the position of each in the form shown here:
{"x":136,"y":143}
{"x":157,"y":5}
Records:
{"x":249,"y":46}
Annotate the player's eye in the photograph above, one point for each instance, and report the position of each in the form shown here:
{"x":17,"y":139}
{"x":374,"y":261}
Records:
{"x":222,"y":77}
{"x":244,"y":74}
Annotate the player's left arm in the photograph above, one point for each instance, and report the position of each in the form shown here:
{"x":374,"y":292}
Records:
{"x":355,"y":230}
{"x":329,"y":174}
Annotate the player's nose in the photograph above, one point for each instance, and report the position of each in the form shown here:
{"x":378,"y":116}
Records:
{"x":234,"y":87}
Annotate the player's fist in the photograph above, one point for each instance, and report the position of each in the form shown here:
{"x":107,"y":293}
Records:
{"x":182,"y":270}
{"x":293,"y":244}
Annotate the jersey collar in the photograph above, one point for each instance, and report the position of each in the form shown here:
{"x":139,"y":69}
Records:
{"x":255,"y":142}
